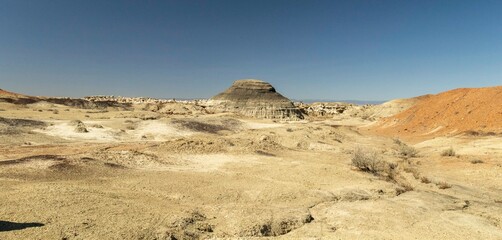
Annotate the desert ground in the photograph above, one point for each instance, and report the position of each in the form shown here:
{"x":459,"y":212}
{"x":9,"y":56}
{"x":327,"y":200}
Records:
{"x":141,"y":171}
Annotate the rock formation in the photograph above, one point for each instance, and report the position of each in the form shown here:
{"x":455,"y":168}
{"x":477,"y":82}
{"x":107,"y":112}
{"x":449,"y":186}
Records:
{"x":255,"y":98}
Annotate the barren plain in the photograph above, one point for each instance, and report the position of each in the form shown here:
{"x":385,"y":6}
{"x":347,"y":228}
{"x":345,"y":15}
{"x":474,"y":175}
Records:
{"x":178,"y":171}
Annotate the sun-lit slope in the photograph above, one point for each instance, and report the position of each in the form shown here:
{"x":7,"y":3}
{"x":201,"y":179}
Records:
{"x":395,"y":106}
{"x":7,"y":94}
{"x":451,"y":112}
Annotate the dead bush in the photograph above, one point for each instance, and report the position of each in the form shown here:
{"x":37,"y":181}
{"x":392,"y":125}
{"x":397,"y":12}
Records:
{"x":370,"y":161}
{"x":443,"y":185}
{"x":146,"y":118}
{"x":448,"y":152}
{"x":407,"y":151}
{"x":414,"y":171}
{"x":425,"y":180}
{"x":391,"y":170}
{"x":367,"y":161}
{"x":477,"y":161}
{"x":404,"y":187}
{"x":397,"y":141}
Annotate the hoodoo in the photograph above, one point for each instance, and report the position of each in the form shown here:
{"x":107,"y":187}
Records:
{"x":255,"y":98}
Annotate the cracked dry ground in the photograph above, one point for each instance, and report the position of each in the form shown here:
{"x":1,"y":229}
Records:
{"x":289,"y":181}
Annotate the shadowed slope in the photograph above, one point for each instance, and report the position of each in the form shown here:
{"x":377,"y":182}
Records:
{"x":11,"y":226}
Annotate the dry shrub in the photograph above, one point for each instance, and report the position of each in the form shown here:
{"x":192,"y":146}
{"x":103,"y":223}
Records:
{"x":403,"y":187}
{"x":407,"y":151}
{"x":391,"y":171}
{"x":370,"y":161}
{"x":425,"y":180}
{"x":367,"y":161}
{"x":448,"y":152}
{"x":477,"y":161}
{"x":443,"y":185}
{"x":414,"y":171}
{"x":397,"y":141}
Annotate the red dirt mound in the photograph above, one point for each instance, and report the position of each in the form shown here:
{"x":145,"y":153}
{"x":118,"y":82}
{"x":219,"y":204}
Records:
{"x":16,"y":98}
{"x":465,"y":110}
{"x":4,"y":93}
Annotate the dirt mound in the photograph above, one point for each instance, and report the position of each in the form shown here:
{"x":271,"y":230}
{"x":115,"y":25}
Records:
{"x":79,"y":126}
{"x":15,"y":122}
{"x":452,"y":112}
{"x":16,"y":98}
{"x":175,"y":108}
{"x":14,"y":126}
{"x":343,"y":110}
{"x":130,"y":159}
{"x":255,"y":98}
{"x":395,"y":106}
{"x":193,"y":226}
{"x":4,"y":93}
{"x":208,"y":126}
{"x":196,"y":145}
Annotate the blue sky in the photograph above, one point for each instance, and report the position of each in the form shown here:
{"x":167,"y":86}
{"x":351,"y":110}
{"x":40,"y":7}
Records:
{"x":366,"y":50}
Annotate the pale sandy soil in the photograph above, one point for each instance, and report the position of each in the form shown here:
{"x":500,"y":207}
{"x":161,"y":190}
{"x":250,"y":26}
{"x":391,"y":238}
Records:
{"x":227,"y":177}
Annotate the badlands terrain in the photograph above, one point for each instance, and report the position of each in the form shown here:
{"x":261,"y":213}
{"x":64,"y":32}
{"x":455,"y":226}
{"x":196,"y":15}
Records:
{"x":250,"y":164}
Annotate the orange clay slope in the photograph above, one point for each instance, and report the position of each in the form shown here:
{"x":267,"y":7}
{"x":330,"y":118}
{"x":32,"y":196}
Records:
{"x":4,"y":93}
{"x":464,"y":110}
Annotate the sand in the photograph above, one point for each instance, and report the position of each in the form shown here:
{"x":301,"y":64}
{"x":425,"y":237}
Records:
{"x":224,"y":176}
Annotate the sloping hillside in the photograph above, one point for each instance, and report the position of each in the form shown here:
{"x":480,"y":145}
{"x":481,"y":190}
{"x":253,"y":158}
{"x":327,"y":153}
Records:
{"x":464,"y":110}
{"x":8,"y":94}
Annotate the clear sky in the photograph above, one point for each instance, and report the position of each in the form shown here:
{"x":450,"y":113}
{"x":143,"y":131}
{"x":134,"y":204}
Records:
{"x":366,"y":50}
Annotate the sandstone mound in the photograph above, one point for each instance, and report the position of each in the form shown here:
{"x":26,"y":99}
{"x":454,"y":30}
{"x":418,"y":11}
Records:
{"x":465,"y":110}
{"x":255,"y":98}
